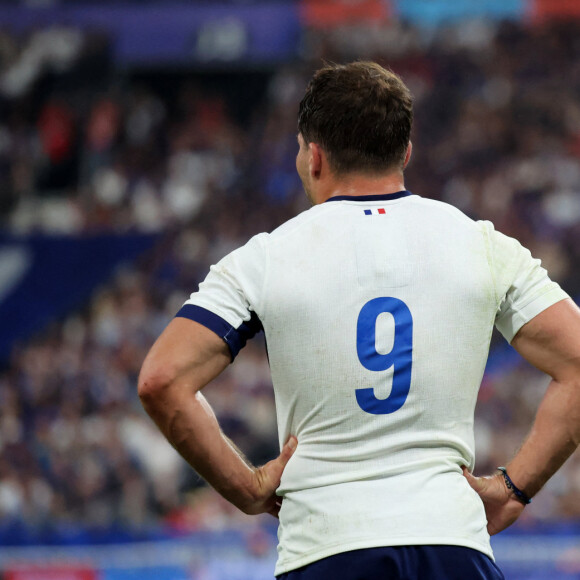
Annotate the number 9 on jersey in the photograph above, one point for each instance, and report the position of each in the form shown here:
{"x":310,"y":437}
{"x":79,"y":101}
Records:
{"x":400,"y":357}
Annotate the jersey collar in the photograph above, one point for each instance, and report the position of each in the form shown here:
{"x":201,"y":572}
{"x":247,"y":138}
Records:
{"x":378,"y":197}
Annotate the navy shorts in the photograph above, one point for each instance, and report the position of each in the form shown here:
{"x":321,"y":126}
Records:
{"x":401,"y":563}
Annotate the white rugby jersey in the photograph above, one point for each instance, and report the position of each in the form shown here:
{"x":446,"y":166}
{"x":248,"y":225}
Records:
{"x":378,"y":313}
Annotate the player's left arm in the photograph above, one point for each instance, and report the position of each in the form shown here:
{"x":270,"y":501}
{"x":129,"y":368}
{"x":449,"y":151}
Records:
{"x":551,"y":342}
{"x":185,"y":358}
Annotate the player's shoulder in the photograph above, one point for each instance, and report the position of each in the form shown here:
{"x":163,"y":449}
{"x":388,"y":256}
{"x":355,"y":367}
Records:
{"x":435,"y":207}
{"x":296,"y":224}
{"x":259,"y":244}
{"x":440,"y":208}
{"x":457,"y":220}
{"x":503,"y":251}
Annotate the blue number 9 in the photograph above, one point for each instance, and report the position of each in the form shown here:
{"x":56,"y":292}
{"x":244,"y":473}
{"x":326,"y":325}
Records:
{"x":400,"y":357}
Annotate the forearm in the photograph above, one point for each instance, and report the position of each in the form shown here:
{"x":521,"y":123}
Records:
{"x":190,"y":425}
{"x":554,"y":436}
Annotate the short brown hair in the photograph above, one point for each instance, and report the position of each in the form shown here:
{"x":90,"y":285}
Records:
{"x":360,"y":114}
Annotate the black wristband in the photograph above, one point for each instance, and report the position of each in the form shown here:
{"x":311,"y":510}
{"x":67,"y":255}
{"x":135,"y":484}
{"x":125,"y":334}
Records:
{"x":512,"y":487}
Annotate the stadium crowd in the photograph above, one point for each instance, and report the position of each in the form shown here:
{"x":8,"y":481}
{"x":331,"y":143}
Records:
{"x":497,"y":134}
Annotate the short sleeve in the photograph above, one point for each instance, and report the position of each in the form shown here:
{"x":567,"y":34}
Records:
{"x":523,"y":286}
{"x":228,"y":300}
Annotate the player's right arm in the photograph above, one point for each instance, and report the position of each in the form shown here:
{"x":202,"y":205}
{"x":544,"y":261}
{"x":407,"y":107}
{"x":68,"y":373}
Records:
{"x":184,"y":359}
{"x":197,"y":345}
{"x":551,"y":342}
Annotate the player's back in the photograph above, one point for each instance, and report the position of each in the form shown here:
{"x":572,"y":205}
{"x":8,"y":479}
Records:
{"x":378,"y":314}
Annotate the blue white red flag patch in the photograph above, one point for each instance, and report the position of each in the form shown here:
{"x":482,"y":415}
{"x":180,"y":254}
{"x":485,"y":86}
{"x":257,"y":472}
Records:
{"x":375,"y":211}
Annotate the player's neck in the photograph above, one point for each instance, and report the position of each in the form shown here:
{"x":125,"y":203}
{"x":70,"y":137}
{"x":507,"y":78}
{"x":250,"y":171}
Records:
{"x":356,"y":185}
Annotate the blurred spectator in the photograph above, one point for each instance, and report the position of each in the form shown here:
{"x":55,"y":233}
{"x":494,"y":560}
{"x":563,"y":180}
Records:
{"x":56,"y":130}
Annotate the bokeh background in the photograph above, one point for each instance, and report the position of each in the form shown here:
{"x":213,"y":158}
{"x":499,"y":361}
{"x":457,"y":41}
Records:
{"x":142,"y":141}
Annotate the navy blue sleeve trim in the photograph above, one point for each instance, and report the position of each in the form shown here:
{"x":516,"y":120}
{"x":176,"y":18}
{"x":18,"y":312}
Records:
{"x":235,"y":338}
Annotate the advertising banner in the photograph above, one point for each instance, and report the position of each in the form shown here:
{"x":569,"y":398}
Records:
{"x":176,"y":33}
{"x":542,"y":10}
{"x":40,"y":572}
{"x":334,"y":13}
{"x":436,"y":12}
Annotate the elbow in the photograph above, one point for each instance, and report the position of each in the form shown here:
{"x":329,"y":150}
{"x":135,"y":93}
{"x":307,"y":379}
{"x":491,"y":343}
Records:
{"x":154,"y":385}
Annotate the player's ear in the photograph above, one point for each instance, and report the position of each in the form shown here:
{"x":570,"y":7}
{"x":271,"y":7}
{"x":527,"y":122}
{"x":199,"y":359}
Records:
{"x":408,"y":154}
{"x":316,"y":160}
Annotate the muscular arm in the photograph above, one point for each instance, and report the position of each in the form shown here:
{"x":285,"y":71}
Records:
{"x":551,"y":342}
{"x":184,"y":359}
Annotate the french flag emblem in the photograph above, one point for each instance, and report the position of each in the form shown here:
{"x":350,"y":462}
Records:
{"x":375,"y":211}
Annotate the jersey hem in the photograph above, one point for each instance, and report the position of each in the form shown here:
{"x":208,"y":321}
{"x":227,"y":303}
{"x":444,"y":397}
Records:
{"x":338,"y":548}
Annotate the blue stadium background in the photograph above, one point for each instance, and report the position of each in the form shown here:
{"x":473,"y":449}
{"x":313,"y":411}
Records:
{"x":139,"y":143}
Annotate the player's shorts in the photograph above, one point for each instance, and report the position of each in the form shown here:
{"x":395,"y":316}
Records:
{"x":401,"y":563}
